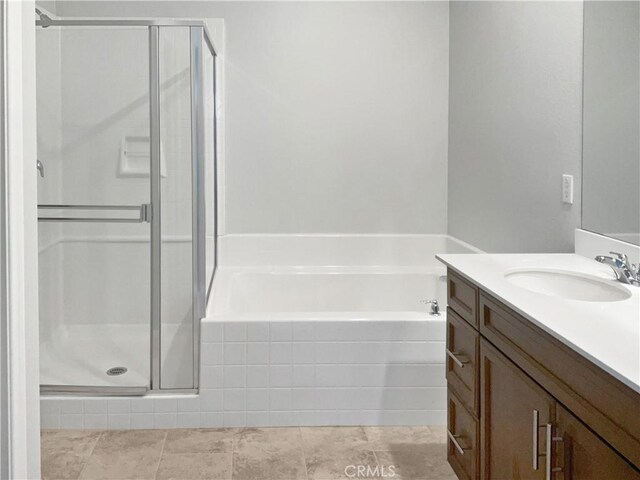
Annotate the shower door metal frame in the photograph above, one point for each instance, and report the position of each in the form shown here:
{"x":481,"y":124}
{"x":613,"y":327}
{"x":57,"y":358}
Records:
{"x":199,"y":36}
{"x":5,"y":450}
{"x":198,"y":223}
{"x":156,"y":208}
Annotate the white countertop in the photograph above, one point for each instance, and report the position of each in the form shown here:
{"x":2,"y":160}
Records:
{"x":607,"y":333}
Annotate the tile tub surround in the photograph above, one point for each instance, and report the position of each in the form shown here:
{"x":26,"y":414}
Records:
{"x":330,"y":372}
{"x":275,"y":373}
{"x":307,"y":453}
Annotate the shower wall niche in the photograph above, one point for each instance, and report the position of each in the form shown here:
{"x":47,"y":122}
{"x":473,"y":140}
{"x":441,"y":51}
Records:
{"x":127,"y":234}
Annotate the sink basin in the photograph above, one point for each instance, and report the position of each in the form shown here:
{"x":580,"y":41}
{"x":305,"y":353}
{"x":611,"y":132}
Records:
{"x":569,"y":285}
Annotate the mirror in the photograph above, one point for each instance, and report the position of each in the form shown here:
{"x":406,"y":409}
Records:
{"x":611,"y":120}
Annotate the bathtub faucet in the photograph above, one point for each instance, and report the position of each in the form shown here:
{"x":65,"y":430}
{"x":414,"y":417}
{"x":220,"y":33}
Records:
{"x":435,"y":308}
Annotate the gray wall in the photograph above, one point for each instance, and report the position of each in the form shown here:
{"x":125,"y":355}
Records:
{"x":514,"y":124}
{"x":4,"y":400}
{"x":611,"y":198}
{"x":335,"y":112}
{"x":336,"y":122}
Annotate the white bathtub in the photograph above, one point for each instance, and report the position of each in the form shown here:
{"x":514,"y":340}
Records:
{"x":330,"y":345}
{"x":306,"y":293}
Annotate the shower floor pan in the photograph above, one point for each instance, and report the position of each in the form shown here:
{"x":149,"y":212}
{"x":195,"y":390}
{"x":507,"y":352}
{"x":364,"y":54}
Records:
{"x":82,"y":358}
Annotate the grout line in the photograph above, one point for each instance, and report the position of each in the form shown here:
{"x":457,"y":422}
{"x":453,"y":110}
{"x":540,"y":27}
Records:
{"x":304,"y":457}
{"x":90,"y":454}
{"x":233,"y":451}
{"x":370,"y":445}
{"x":375,"y":455}
{"x":164,"y":442}
{"x":366,"y":433}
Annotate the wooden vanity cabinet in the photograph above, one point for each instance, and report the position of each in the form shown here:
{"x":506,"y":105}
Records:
{"x":582,"y":455}
{"x":511,"y":405}
{"x":512,"y":387}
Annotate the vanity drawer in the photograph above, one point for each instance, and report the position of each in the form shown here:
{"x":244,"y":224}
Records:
{"x":462,"y":439}
{"x":462,"y":297}
{"x":598,"y":399}
{"x":463,"y":347}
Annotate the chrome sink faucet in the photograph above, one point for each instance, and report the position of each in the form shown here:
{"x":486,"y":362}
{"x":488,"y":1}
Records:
{"x":624,"y":270}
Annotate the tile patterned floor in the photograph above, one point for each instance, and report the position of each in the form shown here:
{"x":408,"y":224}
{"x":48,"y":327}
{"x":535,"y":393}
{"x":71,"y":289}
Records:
{"x":307,"y":453}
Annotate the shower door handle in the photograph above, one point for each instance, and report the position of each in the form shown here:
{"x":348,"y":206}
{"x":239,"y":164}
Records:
{"x":145,"y":213}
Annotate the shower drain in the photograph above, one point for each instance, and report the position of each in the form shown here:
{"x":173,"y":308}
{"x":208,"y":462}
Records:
{"x":112,"y":372}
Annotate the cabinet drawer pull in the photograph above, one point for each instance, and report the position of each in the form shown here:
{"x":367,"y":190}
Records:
{"x":459,"y":361}
{"x":454,"y":440}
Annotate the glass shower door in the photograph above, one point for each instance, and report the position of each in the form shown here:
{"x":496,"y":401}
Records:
{"x":94,"y":208}
{"x":176,"y":210}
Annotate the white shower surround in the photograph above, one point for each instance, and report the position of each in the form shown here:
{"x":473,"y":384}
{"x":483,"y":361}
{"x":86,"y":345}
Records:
{"x":262,"y":365}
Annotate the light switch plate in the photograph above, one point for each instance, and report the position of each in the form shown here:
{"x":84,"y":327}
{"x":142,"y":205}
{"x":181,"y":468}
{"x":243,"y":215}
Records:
{"x":567,"y":189}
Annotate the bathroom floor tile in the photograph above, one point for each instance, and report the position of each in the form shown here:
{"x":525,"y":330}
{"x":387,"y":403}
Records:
{"x":397,"y":438}
{"x":439,"y":433}
{"x":333,"y":465}
{"x":333,"y":438}
{"x":273,"y":435}
{"x":126,"y":454}
{"x":200,"y":440}
{"x":283,"y":453}
{"x":268,"y":454}
{"x":65,"y":452}
{"x":428,"y":462}
{"x":195,"y":466}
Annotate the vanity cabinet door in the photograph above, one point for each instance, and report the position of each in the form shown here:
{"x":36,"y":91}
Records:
{"x":586,"y":456}
{"x":512,"y":447}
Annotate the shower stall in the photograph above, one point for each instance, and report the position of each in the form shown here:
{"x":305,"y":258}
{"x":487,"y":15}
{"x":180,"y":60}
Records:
{"x":126,"y":202}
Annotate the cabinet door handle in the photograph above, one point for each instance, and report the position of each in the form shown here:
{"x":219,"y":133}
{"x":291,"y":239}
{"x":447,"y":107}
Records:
{"x":536,"y":426}
{"x":549,"y":469}
{"x":454,"y":440}
{"x":458,"y":360}
{"x":548,"y":454}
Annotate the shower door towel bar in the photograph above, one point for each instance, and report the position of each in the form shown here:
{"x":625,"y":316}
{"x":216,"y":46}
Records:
{"x":144,"y":216}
